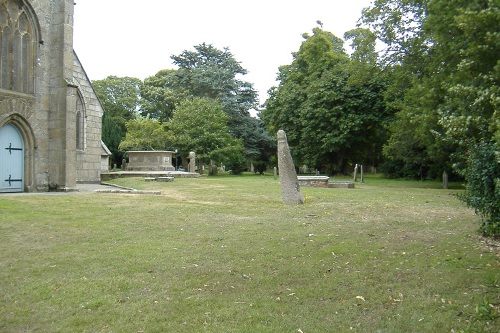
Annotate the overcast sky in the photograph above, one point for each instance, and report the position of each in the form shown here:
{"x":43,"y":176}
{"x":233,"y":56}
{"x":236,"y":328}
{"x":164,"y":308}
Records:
{"x":136,"y":38}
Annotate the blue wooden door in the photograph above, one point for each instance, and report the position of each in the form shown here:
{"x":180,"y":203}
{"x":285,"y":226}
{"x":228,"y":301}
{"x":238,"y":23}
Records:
{"x":11,"y":159}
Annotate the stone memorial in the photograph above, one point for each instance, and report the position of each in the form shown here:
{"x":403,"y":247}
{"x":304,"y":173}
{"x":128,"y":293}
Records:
{"x":290,"y":188}
{"x":154,"y":160}
{"x":192,"y":162}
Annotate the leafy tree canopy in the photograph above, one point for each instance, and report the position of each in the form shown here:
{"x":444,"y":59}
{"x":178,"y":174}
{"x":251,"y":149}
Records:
{"x":207,"y":72}
{"x":213,"y":73}
{"x":200,"y":125}
{"x":144,"y":133}
{"x":120,"y":97}
{"x":161,"y":94}
{"x":330,"y":120}
{"x":443,"y":57}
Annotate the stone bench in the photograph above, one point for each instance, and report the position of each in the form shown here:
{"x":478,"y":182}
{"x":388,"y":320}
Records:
{"x":315,"y":181}
{"x":341,"y":184}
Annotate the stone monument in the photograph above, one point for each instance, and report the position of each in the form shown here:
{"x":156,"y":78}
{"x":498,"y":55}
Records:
{"x":192,"y":162}
{"x":290,"y":188}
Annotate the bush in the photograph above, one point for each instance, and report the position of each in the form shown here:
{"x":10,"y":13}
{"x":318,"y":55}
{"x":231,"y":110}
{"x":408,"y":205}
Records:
{"x":236,"y":164}
{"x":483,"y":186}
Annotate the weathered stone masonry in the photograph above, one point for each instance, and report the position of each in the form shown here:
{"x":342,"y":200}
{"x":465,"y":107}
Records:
{"x":46,"y":95}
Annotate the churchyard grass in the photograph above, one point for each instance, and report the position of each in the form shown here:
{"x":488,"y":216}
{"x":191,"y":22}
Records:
{"x":223,"y":254}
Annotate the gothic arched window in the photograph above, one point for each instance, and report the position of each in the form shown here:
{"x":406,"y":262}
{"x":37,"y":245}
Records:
{"x":80,"y":123}
{"x":18,"y":48}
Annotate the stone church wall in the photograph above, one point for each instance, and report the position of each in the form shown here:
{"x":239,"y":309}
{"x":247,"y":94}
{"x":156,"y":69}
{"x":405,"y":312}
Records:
{"x":58,"y":114}
{"x":88,"y":160}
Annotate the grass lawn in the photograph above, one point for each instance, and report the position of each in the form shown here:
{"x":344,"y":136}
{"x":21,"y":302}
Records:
{"x":223,"y":254}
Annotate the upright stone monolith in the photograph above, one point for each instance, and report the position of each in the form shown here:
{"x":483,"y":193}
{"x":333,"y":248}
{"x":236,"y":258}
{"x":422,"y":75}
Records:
{"x":192,"y":162}
{"x":445,"y":180}
{"x":290,"y":188}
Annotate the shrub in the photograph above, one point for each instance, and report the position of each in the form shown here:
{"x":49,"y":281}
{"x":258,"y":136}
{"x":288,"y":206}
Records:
{"x":483,"y":186}
{"x":236,"y":164}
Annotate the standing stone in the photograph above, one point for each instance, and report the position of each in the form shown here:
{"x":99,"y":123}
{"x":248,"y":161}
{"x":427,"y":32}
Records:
{"x":290,"y":188}
{"x":445,"y":180}
{"x":355,"y":172}
{"x":192,"y":162}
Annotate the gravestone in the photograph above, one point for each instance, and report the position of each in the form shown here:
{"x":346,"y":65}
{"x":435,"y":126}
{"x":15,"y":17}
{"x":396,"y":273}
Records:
{"x":290,"y":188}
{"x":192,"y":162}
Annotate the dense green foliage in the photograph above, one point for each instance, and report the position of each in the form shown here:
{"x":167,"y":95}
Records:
{"x":120,"y":98}
{"x":160,"y":95}
{"x":483,"y":185}
{"x":444,"y":70}
{"x":330,"y":106}
{"x":442,"y":57}
{"x":200,"y":125}
{"x":208,"y":72}
{"x":144,"y":133}
{"x":111,"y":135}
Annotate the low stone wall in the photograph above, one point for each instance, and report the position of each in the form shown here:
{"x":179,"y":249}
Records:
{"x":315,"y":181}
{"x":341,"y":184}
{"x":105,"y":176}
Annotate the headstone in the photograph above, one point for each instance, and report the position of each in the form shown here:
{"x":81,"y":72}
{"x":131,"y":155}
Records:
{"x":275,"y":173}
{"x":213,"y":170}
{"x":290,"y":188}
{"x":192,"y":162}
{"x":355,"y":172}
{"x":362,"y":174}
{"x":445,"y":180}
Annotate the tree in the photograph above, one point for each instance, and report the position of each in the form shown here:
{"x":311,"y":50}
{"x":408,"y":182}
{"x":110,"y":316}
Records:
{"x":120,"y":98}
{"x":447,"y":52}
{"x":208,"y":72}
{"x":444,"y":59}
{"x":201,"y":125}
{"x":112,"y":136}
{"x":144,"y":133}
{"x":330,"y":120}
{"x":161,"y":94}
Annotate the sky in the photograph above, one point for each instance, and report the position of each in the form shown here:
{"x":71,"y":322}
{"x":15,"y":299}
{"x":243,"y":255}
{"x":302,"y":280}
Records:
{"x":136,"y":38}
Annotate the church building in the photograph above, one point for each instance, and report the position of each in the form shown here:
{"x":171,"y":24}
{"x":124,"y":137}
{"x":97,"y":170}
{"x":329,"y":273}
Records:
{"x":50,"y":116}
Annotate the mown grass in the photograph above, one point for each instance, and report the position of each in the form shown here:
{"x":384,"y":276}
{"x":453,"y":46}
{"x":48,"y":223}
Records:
{"x":223,"y":254}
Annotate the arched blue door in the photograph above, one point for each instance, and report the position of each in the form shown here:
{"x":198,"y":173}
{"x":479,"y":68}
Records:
{"x":11,"y":159}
